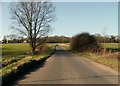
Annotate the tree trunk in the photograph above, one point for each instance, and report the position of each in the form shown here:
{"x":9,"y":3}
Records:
{"x":33,"y":51}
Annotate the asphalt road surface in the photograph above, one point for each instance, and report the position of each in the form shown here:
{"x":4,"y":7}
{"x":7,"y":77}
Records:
{"x":65,"y":67}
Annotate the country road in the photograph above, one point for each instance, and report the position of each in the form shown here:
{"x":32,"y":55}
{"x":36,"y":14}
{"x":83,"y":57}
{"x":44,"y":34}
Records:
{"x":65,"y":67}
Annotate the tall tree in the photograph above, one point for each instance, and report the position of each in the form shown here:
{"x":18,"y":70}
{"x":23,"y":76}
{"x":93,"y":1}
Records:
{"x":34,"y":19}
{"x":4,"y":40}
{"x":113,"y":39}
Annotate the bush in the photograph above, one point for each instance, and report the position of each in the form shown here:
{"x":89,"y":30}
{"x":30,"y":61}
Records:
{"x":84,"y":42}
{"x":42,"y":48}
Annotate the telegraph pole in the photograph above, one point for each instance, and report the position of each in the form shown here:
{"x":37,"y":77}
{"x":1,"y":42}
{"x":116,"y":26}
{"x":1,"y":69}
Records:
{"x":104,"y":33}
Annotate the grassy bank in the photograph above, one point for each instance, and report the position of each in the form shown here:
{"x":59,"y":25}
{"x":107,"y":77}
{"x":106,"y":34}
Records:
{"x":109,"y":59}
{"x":11,"y":59}
{"x":15,"y":69}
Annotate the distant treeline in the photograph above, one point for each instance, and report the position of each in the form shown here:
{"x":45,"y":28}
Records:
{"x":59,"y":39}
{"x":107,"y":38}
{"x":51,"y":39}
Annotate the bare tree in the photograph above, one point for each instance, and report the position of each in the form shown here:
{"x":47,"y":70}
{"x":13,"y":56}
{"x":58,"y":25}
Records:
{"x":33,"y":19}
{"x":12,"y":37}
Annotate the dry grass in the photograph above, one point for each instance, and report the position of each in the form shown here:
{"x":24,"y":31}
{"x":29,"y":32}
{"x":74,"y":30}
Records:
{"x":111,"y":55}
{"x":109,"y":59}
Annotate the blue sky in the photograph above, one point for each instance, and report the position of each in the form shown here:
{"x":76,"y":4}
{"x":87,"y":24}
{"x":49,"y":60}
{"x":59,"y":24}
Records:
{"x":90,"y":17}
{"x":75,"y":17}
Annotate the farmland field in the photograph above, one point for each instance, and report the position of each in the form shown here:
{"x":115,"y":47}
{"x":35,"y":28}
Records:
{"x":111,"y":46}
{"x":15,"y":49}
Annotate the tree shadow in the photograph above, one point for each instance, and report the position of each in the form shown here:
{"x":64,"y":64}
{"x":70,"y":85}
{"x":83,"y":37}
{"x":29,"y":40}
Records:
{"x":29,"y":70}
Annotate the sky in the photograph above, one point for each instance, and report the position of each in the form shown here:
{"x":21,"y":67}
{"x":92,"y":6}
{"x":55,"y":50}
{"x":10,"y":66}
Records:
{"x":92,"y":17}
{"x":73,"y":18}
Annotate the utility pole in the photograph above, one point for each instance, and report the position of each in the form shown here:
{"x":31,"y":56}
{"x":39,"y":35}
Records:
{"x":104,"y":33}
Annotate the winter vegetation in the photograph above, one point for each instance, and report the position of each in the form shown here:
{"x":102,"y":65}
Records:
{"x":20,"y":53}
{"x":88,"y":46}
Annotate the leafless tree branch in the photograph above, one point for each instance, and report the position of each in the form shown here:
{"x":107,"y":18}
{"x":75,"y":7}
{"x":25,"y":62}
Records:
{"x":35,"y":18}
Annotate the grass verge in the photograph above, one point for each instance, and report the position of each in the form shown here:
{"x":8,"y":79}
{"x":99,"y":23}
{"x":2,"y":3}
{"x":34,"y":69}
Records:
{"x":102,"y":59}
{"x":109,"y":59}
{"x":15,"y":70}
{"x":10,"y":59}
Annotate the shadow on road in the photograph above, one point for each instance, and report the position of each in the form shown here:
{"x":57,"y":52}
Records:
{"x":22,"y":76}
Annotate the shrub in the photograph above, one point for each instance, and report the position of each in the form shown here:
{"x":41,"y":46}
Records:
{"x":42,"y":48}
{"x":84,"y":42}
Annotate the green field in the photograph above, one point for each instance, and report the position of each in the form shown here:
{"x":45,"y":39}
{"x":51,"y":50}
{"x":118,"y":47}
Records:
{"x":15,"y":49}
{"x":111,"y":46}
